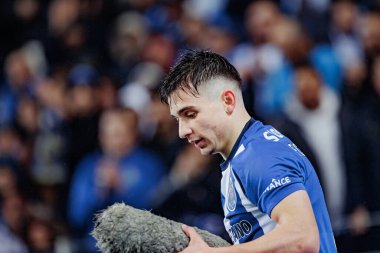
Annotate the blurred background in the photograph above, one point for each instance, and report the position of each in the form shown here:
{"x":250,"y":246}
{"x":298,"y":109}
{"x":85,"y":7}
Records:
{"x":82,"y":126}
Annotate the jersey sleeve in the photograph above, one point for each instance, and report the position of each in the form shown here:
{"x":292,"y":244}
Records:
{"x":281,"y":180}
{"x":271,"y":178}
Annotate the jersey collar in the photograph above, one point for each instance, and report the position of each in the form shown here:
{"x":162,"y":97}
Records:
{"x":225,"y":163}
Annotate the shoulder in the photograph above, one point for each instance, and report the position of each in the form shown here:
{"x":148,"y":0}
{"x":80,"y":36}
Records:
{"x":87,"y":166}
{"x":144,"y":157}
{"x":90,"y":159}
{"x":264,"y":141}
{"x":145,"y":153}
{"x":264,"y":150}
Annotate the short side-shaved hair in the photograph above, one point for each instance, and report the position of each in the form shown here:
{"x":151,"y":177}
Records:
{"x":195,"y":68}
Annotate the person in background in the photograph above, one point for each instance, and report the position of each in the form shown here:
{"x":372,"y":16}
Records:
{"x":82,"y":114}
{"x":363,"y":164}
{"x":187,"y":194}
{"x":121,"y":171}
{"x":315,"y":109}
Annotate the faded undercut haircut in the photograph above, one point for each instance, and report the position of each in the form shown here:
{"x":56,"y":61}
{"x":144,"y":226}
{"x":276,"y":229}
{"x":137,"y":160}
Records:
{"x":194,"y":68}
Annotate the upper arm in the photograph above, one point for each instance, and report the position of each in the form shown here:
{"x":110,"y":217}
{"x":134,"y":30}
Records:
{"x":291,"y":207}
{"x":295,"y":213}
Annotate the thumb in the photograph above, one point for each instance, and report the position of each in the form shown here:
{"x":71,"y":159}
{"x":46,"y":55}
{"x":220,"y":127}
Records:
{"x":190,"y":232}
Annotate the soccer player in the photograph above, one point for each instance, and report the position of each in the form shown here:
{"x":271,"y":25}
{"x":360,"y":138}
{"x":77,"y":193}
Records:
{"x":271,"y":196}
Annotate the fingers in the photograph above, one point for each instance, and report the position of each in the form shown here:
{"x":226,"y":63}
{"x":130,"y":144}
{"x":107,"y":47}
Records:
{"x":190,"y":232}
{"x":186,"y":229}
{"x":196,"y":243}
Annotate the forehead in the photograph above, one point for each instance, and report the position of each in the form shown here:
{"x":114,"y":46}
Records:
{"x":205,"y":96}
{"x":180,"y":100}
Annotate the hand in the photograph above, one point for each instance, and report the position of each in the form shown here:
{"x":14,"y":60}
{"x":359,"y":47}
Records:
{"x":196,"y":243}
{"x":360,"y":221}
{"x":108,"y":175}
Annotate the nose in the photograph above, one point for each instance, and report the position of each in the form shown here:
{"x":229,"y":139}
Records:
{"x":183,"y":130}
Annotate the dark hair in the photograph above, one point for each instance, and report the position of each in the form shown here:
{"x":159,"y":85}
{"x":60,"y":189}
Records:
{"x":194,"y":68}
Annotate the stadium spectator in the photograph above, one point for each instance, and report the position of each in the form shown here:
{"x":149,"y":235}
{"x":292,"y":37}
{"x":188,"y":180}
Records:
{"x":315,"y":108}
{"x":120,"y":171}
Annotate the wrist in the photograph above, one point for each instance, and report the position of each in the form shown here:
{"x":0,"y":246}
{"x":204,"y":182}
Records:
{"x":221,"y":250}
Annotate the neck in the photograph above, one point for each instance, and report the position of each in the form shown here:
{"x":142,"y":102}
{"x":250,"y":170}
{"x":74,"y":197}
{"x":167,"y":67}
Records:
{"x":238,"y":122}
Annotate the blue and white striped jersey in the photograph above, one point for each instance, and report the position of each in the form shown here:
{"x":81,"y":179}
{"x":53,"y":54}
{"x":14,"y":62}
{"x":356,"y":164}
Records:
{"x":263,"y":168}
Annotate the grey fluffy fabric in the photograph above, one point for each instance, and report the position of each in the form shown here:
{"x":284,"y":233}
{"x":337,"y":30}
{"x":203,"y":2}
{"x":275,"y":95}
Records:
{"x":124,"y":229}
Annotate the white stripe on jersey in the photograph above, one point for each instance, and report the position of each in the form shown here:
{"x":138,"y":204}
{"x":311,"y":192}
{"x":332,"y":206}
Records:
{"x":224,"y":186}
{"x":227,"y":226}
{"x":265,"y":222}
{"x":240,"y":149}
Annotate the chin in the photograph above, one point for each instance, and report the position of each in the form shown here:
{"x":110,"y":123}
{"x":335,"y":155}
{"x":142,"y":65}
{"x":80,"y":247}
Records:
{"x":207,"y":152}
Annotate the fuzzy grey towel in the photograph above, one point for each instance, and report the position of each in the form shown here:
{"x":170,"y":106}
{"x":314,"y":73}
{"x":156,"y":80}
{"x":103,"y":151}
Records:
{"x":124,"y":229}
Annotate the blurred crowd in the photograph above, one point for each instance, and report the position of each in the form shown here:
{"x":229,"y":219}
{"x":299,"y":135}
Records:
{"x":82,"y":126}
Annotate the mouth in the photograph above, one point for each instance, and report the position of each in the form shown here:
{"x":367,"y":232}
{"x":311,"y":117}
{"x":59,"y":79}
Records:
{"x":198,"y":143}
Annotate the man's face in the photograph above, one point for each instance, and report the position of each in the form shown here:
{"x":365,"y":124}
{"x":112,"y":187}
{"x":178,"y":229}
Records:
{"x":200,"y":119}
{"x":308,"y":88}
{"x":117,"y":134}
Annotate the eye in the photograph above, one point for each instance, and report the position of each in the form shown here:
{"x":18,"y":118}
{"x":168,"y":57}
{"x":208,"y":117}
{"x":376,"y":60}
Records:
{"x":190,"y":114}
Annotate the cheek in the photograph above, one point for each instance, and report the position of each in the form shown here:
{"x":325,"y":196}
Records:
{"x":211,"y":130}
{"x":210,"y":122}
{"x":218,"y":133}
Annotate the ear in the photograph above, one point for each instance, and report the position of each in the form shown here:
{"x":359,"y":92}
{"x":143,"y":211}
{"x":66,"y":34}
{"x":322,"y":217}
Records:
{"x":229,"y":101}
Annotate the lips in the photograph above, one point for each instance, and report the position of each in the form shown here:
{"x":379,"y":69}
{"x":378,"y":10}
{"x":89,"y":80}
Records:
{"x":198,"y":143}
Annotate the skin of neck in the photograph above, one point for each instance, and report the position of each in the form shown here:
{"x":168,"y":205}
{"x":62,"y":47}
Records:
{"x":237,"y":122}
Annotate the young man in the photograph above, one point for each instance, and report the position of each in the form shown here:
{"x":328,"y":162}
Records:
{"x":271,"y":196}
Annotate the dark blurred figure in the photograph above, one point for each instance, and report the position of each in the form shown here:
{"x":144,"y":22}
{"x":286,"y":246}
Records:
{"x":106,"y":92}
{"x":219,"y":36}
{"x":40,"y":236}
{"x":370,"y":33}
{"x":20,"y":21}
{"x":49,"y":171}
{"x":13,"y":152}
{"x":312,"y":14}
{"x":76,"y":32}
{"x":13,"y":210}
{"x":344,"y":34}
{"x":159,"y":50}
{"x":189,"y":193}
{"x":298,"y":49}
{"x":12,"y":224}
{"x":370,"y":41}
{"x":363,"y":164}
{"x":121,"y":171}
{"x":44,"y":233}
{"x":19,"y":82}
{"x":28,"y":126}
{"x":315,"y":108}
{"x":130,"y":32}
{"x":256,"y":57}
{"x":163,"y":17}
{"x":165,"y":138}
{"x":82,"y":112}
